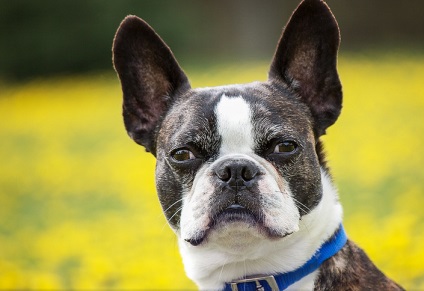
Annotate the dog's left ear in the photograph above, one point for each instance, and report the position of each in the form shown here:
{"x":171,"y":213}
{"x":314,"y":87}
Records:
{"x":306,"y":60}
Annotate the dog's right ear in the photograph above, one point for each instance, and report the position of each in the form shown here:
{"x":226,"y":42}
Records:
{"x":150,"y":79}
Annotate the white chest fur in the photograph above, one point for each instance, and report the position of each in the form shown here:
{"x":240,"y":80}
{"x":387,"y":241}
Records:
{"x":211,"y":267}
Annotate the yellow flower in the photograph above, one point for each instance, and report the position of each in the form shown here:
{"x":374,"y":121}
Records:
{"x":79,"y":208}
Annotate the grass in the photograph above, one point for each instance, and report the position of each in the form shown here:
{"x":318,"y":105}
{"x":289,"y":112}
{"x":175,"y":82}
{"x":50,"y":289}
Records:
{"x":77,"y":196}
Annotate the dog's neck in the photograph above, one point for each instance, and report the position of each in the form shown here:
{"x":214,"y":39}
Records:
{"x":284,"y":280}
{"x":213,"y":264}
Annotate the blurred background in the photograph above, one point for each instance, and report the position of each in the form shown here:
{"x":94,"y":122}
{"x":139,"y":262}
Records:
{"x":78,"y":208}
{"x":47,"y":38}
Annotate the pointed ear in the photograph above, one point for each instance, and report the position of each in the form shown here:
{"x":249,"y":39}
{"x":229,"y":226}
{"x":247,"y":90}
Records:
{"x":306,"y":60}
{"x":150,"y":78}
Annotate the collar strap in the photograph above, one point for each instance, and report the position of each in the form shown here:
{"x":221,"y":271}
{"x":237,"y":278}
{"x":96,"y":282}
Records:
{"x":282,"y":281}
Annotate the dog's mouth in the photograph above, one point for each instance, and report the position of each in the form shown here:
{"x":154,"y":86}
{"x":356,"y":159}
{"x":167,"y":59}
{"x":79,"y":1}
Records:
{"x":233,"y":214}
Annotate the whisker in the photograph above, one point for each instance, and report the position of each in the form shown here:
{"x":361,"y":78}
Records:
{"x":175,"y":213}
{"x":302,"y":206}
{"x":179,"y":200}
{"x":307,"y":210}
{"x":222,"y":269}
{"x":173,"y":204}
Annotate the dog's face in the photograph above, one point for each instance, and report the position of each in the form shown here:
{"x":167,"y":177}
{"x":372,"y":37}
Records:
{"x":237,"y":159}
{"x":241,"y":162}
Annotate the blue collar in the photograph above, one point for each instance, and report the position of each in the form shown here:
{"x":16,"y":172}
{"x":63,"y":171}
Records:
{"x":282,"y":281}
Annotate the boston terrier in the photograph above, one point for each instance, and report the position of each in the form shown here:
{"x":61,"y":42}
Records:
{"x":241,"y":174}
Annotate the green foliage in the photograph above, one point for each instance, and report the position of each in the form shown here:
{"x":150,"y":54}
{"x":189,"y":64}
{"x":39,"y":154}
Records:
{"x":41,"y":38}
{"x":48,"y":37}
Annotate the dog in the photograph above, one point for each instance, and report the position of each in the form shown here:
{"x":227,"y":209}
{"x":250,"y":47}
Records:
{"x":241,"y":174}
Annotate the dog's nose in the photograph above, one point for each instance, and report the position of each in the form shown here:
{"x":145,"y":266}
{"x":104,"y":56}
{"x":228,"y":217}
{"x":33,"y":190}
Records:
{"x":236,"y":173}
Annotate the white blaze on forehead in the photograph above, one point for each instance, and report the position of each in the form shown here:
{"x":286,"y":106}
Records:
{"x":234,"y":125}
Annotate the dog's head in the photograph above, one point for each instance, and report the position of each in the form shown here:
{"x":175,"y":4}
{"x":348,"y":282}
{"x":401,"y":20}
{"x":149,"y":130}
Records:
{"x":239,"y":162}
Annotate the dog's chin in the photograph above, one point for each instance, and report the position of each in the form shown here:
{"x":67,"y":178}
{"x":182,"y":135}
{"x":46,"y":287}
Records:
{"x":233,"y":221}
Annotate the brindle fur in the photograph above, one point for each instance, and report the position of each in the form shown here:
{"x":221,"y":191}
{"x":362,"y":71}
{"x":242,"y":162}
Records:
{"x":351,"y":270}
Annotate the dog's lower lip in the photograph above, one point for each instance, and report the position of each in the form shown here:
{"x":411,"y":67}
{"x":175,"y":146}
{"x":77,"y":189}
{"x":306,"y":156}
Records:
{"x":235,"y":212}
{"x":235,"y":206}
{"x":196,"y":241}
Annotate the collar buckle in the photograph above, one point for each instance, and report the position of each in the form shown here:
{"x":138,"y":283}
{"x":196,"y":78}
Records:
{"x":269,"y":279}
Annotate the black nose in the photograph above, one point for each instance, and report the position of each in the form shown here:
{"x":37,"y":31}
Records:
{"x":237,"y":174}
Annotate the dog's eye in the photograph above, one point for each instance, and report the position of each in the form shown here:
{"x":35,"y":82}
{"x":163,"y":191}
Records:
{"x":285,"y":147}
{"x":182,"y":155}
